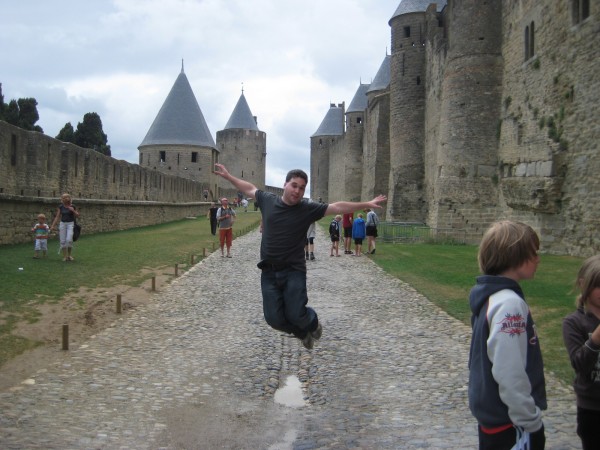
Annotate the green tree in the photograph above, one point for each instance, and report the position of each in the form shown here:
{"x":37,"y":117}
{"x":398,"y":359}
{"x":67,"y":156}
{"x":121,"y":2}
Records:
{"x":67,"y":134}
{"x":28,"y":114}
{"x":11,"y":114}
{"x":89,"y":134}
{"x":22,"y":113}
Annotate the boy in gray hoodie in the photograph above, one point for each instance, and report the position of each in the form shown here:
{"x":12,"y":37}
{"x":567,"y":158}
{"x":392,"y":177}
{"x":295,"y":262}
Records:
{"x":506,"y":374}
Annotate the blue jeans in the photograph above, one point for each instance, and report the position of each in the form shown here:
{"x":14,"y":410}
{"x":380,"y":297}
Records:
{"x":284,"y":302}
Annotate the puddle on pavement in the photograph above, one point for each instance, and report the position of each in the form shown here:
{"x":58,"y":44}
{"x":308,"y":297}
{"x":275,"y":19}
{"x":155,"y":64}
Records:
{"x":291,"y":394}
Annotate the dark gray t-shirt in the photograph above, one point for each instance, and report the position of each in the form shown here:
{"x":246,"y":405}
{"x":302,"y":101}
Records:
{"x":284,"y":228}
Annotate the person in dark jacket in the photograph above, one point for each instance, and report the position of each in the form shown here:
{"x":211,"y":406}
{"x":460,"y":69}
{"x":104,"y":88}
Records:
{"x":285,"y":221}
{"x":507,"y":389}
{"x":581,"y":334}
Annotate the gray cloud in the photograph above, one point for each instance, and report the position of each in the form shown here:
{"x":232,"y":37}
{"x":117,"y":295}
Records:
{"x":120,"y":60}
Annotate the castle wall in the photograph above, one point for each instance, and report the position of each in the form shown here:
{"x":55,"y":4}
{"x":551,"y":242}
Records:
{"x":549,"y":145}
{"x":319,"y":165}
{"x":376,"y":151}
{"x":244,"y":153}
{"x":353,"y":157}
{"x":19,"y":214}
{"x":36,"y":169}
{"x":337,"y":171}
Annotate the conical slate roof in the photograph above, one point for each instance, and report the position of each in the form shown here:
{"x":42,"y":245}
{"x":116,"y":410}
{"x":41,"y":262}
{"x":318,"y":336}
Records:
{"x":180,"y":120}
{"x":359,"y":101}
{"x":333,"y":123}
{"x":242,"y":117}
{"x":383,"y":76}
{"x":413,"y":6}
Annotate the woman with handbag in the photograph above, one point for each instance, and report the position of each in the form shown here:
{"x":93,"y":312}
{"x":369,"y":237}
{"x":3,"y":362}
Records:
{"x":67,"y":214}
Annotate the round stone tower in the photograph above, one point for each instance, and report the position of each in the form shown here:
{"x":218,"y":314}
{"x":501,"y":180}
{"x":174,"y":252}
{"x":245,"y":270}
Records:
{"x":179,"y":142}
{"x":406,"y":199}
{"x":242,"y":149}
{"x":326,"y":139}
{"x":353,"y":158}
{"x":376,"y":155}
{"x":470,"y":112}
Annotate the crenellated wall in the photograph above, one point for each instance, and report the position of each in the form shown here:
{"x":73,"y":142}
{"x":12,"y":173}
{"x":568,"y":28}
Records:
{"x":36,"y":169}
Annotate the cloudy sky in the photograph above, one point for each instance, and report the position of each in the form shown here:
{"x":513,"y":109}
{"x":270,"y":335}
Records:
{"x":120,"y":58}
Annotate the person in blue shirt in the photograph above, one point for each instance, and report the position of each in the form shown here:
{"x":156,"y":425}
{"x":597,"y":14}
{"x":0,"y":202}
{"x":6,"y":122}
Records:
{"x":359,"y":232}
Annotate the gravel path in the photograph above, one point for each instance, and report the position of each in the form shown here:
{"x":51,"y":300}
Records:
{"x":199,"y":369}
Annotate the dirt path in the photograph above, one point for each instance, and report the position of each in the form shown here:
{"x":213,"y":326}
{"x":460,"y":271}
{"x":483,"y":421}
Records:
{"x":87,"y":312}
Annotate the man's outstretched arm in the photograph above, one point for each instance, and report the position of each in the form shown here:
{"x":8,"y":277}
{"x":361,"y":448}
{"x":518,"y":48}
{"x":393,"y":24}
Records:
{"x":348,"y":207}
{"x":246,"y":188}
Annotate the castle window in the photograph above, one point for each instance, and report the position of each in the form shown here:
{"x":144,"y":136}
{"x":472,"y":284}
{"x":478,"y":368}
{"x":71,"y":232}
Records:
{"x":178,"y":158}
{"x":418,"y":81}
{"x":580,"y":10}
{"x":162,"y":156}
{"x":406,"y":31}
{"x":359,"y":120}
{"x":529,"y":41}
{"x":194,"y":157}
{"x":141,"y":158}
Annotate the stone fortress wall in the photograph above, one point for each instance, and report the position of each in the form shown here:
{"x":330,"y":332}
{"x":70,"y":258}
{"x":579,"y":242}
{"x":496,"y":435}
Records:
{"x":36,"y":169}
{"x":493,"y":114}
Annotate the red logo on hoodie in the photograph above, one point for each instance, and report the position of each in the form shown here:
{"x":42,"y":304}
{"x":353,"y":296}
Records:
{"x":513,"y":324}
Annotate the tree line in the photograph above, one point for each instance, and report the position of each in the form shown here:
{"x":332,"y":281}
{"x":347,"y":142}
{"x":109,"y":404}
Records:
{"x":23,"y":113}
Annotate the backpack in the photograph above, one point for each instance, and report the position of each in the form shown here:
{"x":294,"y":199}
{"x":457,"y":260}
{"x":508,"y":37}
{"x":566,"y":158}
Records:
{"x":334,"y":227}
{"x":374,"y":218}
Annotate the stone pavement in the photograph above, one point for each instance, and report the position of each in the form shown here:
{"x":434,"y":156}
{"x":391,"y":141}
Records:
{"x":198,"y":369}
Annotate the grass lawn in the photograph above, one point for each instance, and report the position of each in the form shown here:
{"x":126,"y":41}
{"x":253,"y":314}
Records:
{"x":446,"y":273}
{"x":443,"y":273}
{"x":104,"y":259}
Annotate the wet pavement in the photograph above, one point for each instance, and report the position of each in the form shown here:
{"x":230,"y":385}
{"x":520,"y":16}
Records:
{"x":200,"y":369}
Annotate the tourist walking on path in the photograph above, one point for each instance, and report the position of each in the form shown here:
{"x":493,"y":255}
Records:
{"x":372,"y":222}
{"x":347,"y":220}
{"x":225,"y":218}
{"x":581,"y":333}
{"x":66,"y":213}
{"x":358,"y":234}
{"x":285,"y":221}
{"x":334,"y":235}
{"x":507,"y":389}
{"x":212,"y":216}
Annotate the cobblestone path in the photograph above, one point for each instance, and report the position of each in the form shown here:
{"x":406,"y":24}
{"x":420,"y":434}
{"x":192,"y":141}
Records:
{"x":199,"y":367}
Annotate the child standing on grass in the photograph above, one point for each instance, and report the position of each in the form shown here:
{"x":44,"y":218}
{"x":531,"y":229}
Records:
{"x":507,"y":389}
{"x":581,"y":334}
{"x":42,"y":231}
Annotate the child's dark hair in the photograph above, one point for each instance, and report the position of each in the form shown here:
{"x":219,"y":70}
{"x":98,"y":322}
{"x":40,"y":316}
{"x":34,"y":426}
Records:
{"x":296,"y":173}
{"x":588,"y":279}
{"x":506,"y":245}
